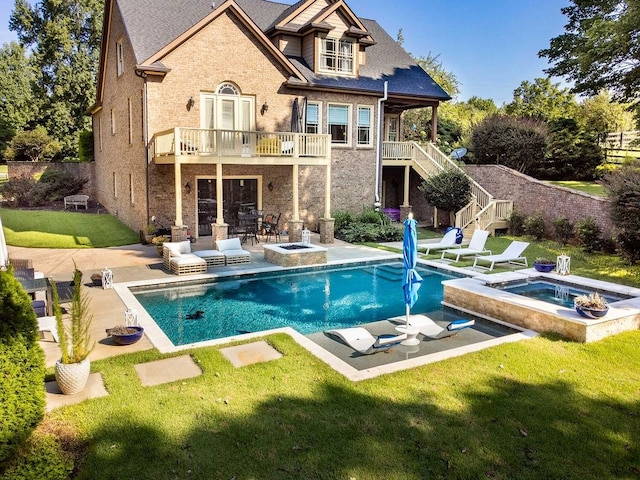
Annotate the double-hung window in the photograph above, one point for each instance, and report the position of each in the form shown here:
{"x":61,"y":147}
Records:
{"x":338,"y":120}
{"x":336,"y":55}
{"x":364,"y":126}
{"x":313,"y":118}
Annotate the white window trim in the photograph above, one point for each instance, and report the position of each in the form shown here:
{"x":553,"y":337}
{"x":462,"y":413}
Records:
{"x":119,"y":57}
{"x":115,"y":185}
{"x":113,"y":122}
{"x":336,"y":71}
{"x":319,"y":105}
{"x":348,"y":134}
{"x":370,"y":143}
{"x":130,"y":111}
{"x":131,"y":196}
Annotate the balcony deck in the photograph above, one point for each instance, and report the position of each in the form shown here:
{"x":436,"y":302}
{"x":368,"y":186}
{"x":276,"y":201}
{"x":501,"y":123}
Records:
{"x":212,"y":146}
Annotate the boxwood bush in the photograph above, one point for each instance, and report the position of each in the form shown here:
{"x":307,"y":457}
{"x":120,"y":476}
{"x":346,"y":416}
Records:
{"x":21,"y":368}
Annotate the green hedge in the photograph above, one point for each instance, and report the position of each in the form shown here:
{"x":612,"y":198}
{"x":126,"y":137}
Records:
{"x":21,"y":368}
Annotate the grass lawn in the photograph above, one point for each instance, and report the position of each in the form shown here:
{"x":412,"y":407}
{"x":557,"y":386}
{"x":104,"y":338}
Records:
{"x":542,"y":408}
{"x":54,"y":229}
{"x":592,"y":188}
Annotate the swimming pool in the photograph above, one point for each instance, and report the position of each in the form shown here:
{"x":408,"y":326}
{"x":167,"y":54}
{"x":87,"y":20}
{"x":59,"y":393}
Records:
{"x":309,"y":301}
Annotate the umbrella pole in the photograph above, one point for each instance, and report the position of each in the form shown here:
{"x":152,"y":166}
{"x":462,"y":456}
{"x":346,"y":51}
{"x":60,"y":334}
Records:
{"x":408,"y":310}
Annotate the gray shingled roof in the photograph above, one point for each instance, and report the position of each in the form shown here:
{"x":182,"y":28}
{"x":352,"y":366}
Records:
{"x":152,"y":24}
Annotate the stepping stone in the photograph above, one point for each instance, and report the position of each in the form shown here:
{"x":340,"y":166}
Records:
{"x":249,"y":353}
{"x":167,"y":370}
{"x":55,"y":398}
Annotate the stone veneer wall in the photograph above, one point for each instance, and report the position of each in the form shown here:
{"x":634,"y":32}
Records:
{"x":531,"y":196}
{"x":29,"y":169}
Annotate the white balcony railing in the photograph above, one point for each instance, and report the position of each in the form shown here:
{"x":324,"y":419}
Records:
{"x":236,"y":143}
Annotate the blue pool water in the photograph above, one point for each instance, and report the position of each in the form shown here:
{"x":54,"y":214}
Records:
{"x":558,"y":293}
{"x":309,"y":302}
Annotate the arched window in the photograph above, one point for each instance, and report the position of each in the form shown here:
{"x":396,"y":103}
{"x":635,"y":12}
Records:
{"x":228,"y":89}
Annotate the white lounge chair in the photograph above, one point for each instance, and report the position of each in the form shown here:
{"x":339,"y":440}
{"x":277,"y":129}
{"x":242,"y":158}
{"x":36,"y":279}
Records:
{"x":233,"y":252}
{"x":476,"y":247}
{"x":512,"y":254}
{"x":432,"y":330}
{"x":448,"y":241}
{"x":363,"y":342}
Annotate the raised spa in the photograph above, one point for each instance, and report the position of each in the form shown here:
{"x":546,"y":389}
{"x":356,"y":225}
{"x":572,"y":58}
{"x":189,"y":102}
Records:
{"x":544,"y":302}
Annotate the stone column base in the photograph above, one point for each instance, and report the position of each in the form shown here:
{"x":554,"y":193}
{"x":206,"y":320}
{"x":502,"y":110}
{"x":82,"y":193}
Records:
{"x":295,"y":230}
{"x":327,"y":230}
{"x":178,"y":234}
{"x":219,"y":232}
{"x":404,"y":212}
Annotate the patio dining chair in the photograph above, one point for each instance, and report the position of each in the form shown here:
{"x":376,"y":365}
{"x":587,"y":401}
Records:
{"x":271,"y":227}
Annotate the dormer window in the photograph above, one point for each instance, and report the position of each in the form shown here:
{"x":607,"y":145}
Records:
{"x":336,"y":56}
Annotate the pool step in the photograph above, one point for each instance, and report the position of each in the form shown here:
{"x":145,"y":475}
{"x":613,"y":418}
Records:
{"x":386,"y":272}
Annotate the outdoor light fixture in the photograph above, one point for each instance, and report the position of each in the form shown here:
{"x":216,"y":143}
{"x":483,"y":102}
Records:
{"x":190,"y":103}
{"x":264,"y":108}
{"x":187,"y":187}
{"x":270,"y":186}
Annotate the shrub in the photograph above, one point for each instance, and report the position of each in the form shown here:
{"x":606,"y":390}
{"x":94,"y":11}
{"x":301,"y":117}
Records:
{"x":535,"y":227}
{"x":41,"y":457}
{"x":342,"y":219}
{"x":60,"y":183}
{"x":449,"y":191}
{"x":85,"y":146}
{"x":17,"y":191}
{"x":21,"y":367}
{"x":370,"y":232}
{"x":33,"y":145}
{"x":369,"y":215}
{"x":563,"y":230}
{"x":623,"y":190}
{"x":588,"y":234}
{"x":516,"y":223}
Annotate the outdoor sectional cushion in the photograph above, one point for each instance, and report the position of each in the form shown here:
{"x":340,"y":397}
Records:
{"x":232,"y":250}
{"x":212,"y":257}
{"x":178,"y":258}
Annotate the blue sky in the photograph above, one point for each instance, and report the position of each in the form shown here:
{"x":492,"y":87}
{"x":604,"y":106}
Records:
{"x":490,"y":45}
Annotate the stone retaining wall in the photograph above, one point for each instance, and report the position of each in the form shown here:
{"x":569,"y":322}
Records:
{"x":531,"y":196}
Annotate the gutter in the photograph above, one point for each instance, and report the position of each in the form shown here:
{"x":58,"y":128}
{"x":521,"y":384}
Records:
{"x":379,"y":147}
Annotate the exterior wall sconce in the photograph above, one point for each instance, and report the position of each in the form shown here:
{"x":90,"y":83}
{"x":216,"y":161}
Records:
{"x":190,"y":103}
{"x":187,"y":187}
{"x":270,"y":186}
{"x":264,"y":108}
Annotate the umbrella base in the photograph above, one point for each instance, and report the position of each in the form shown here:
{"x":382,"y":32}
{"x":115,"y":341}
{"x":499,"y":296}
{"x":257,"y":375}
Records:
{"x":411,"y":332}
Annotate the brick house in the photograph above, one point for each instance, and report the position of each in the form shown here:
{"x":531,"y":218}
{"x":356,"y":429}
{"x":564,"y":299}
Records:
{"x":204,"y":110}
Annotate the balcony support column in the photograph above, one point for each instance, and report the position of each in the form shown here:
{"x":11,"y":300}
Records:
{"x":219,"y":196}
{"x":295,"y":193}
{"x":434,"y":123}
{"x":178,"y":191}
{"x":407,"y":173}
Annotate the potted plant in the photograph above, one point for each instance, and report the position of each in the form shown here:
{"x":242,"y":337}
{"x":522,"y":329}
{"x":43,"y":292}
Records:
{"x":591,"y":306}
{"x":125,"y":334}
{"x":149,"y":232}
{"x":542,"y":264}
{"x":73,"y":368}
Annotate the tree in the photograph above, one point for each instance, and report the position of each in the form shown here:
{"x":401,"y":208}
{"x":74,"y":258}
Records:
{"x":517,"y":143}
{"x":17,"y":104}
{"x":542,"y":100}
{"x":623,"y":189}
{"x":599,"y":49}
{"x":32,"y":145}
{"x":64,"y":38}
{"x":600,"y":115}
{"x":449,"y":191}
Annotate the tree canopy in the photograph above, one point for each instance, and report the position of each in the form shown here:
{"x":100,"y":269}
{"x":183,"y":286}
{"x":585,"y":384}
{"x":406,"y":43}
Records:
{"x":542,"y":100}
{"x":63,"y":38}
{"x":600,"y":48}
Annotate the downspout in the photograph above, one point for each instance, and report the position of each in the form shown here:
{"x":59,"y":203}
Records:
{"x":145,"y":138}
{"x":379,"y":148}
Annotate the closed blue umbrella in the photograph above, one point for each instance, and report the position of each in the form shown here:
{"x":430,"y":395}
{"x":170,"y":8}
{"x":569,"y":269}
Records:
{"x":412,"y":279}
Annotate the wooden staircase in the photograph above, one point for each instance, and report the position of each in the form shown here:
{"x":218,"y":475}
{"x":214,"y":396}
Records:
{"x":483,"y":212}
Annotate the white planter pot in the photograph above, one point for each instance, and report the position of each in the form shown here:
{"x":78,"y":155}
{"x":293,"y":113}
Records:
{"x":72,"y":377}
